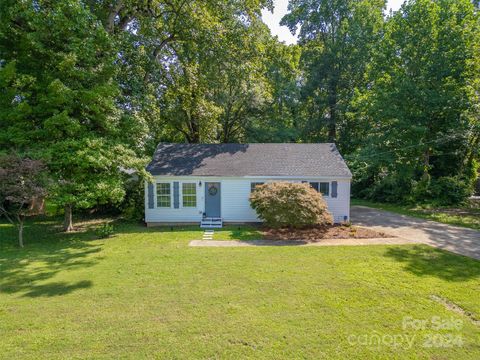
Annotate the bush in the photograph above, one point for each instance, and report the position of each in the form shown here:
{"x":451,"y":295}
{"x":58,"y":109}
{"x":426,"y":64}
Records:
{"x":390,"y":189}
{"x":449,"y":190}
{"x":133,"y":205}
{"x":290,"y":204}
{"x":104,"y":231}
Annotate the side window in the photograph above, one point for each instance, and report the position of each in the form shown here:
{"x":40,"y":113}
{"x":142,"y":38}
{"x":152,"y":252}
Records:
{"x":253,"y":185}
{"x":163,"y":195}
{"x":189,"y":195}
{"x":325,"y":188}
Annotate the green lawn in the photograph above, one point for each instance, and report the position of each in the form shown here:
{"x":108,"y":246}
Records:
{"x":145,"y":294}
{"x":466,"y":216}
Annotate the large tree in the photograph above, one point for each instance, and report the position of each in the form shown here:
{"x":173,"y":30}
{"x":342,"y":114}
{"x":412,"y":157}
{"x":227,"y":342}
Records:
{"x":337,"y":37}
{"x":58,"y":99}
{"x":422,"y":101}
{"x":215,"y":83}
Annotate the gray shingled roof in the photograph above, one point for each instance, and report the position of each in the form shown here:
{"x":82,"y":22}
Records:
{"x":316,"y":160}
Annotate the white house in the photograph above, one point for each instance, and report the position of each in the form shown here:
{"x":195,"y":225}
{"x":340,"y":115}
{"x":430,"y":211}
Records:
{"x":212,"y":182}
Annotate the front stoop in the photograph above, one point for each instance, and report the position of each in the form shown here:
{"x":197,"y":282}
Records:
{"x":211,"y":223}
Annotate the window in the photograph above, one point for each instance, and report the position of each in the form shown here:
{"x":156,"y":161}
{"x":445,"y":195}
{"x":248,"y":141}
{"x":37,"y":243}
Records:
{"x":314,"y":185}
{"x":253,"y":185}
{"x":189,"y":194}
{"x":323,"y":187}
{"x":163,"y":195}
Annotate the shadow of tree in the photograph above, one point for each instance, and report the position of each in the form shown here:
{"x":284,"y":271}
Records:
{"x":47,"y":253}
{"x":275,"y":242}
{"x":423,"y":260}
{"x":250,"y":232}
{"x":56,"y":288}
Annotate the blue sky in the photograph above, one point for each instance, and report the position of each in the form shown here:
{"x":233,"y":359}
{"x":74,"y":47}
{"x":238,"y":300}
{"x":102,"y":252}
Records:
{"x":273,"y":20}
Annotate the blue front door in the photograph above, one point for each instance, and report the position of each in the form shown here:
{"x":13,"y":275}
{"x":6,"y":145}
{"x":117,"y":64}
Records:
{"x":212,"y":199}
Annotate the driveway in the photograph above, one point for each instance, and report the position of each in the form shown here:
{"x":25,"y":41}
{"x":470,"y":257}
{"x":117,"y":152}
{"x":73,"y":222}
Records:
{"x":452,"y":238}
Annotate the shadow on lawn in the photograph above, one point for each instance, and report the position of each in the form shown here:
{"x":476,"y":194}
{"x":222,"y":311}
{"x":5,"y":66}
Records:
{"x":244,"y":233}
{"x":426,"y":261}
{"x":46,"y":254}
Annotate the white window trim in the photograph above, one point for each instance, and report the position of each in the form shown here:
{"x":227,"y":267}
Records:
{"x":329,"y":188}
{"x":171,"y":195}
{"x":180,"y":194}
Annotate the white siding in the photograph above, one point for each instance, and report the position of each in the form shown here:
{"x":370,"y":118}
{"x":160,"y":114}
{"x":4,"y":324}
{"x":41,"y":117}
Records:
{"x":340,"y":206}
{"x":158,"y":214}
{"x":235,"y":206}
{"x":235,"y":201}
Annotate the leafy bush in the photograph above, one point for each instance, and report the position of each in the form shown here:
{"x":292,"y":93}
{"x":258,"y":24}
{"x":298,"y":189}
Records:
{"x":449,"y":190}
{"x":104,"y":231}
{"x":389,"y":189}
{"x":443,"y":191}
{"x":133,"y":205}
{"x":290,"y":204}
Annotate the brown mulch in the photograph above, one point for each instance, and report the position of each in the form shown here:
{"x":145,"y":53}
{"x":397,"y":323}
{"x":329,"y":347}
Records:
{"x":324,"y":232}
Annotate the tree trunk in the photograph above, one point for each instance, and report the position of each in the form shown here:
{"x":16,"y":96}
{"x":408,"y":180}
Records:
{"x":20,"y":231}
{"x":68,"y":223}
{"x":332,"y":107}
{"x":193,"y":132}
{"x":426,"y":164}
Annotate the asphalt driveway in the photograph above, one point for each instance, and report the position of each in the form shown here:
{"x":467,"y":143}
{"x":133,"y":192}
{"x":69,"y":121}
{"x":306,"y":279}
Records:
{"x":452,"y":238}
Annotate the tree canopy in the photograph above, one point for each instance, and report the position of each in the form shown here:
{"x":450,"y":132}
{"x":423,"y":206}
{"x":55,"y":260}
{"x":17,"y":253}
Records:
{"x":90,"y":87}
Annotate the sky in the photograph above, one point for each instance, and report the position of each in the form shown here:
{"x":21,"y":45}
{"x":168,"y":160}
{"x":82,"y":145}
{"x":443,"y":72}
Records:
{"x":273,"y":20}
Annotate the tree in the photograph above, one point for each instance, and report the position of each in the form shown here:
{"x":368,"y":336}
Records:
{"x":422,"y":101}
{"x":163,"y":47}
{"x":216,"y":83}
{"x":337,"y":37}
{"x":22,"y":182}
{"x":282,"y":115}
{"x":59,"y":100}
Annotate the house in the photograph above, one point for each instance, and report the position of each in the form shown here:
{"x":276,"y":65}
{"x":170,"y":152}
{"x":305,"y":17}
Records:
{"x":212,"y":182}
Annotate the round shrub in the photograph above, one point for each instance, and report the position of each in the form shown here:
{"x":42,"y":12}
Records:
{"x":295,"y":205}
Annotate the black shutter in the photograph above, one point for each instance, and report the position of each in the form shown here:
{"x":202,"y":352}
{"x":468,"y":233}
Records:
{"x":150,"y":196}
{"x":334,"y":189}
{"x":176,"y":195}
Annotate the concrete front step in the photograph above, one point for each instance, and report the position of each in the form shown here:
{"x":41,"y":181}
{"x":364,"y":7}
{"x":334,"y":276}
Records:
{"x":211,"y":223}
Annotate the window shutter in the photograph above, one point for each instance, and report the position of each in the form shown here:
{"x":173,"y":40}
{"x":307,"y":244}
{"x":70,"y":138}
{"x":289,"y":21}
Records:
{"x":150,"y":195}
{"x":176,"y":195}
{"x":334,"y":189}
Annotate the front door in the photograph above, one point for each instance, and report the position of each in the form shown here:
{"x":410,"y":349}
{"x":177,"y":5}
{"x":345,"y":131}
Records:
{"x":212,"y":199}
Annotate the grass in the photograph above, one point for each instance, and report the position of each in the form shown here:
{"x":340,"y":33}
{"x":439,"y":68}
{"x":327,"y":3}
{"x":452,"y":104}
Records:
{"x":145,"y":294}
{"x":235,"y":232}
{"x":468,"y":217}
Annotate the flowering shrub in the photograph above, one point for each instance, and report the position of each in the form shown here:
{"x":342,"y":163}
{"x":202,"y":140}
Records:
{"x":283,"y":204}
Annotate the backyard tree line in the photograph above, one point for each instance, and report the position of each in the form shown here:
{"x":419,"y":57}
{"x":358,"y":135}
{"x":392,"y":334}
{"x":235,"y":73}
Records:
{"x":89,"y":87}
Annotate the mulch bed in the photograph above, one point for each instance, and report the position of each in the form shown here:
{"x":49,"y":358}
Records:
{"x":324,"y":232}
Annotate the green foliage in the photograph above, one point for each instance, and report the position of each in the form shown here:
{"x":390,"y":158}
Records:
{"x":104,"y":231}
{"x":443,"y":191}
{"x":133,"y":204}
{"x":337,"y":39}
{"x":420,"y":105}
{"x":59,"y":100}
{"x":90,"y":87}
{"x":283,"y":204}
